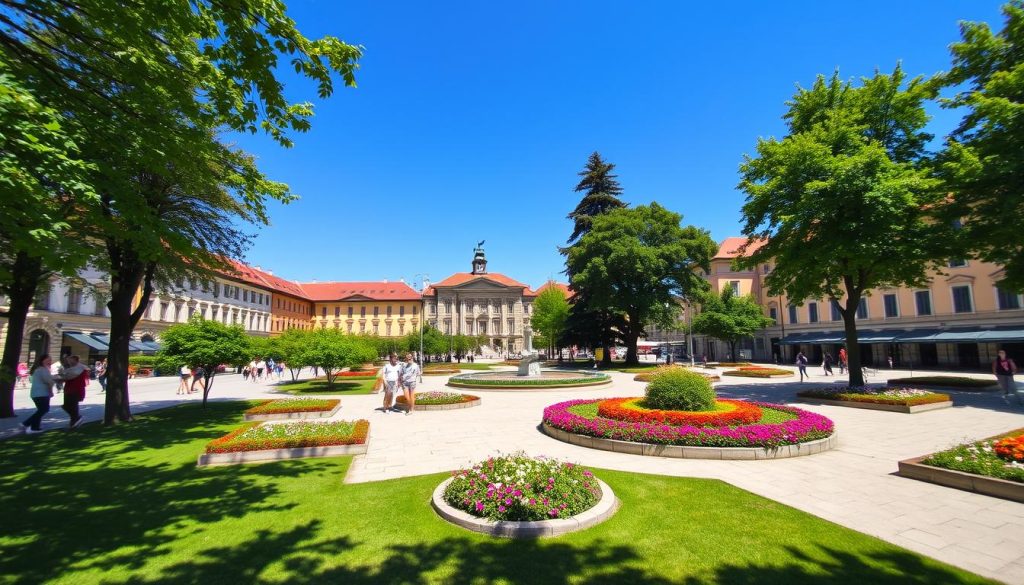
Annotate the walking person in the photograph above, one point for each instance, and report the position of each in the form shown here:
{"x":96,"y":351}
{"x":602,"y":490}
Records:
{"x":270,"y":369}
{"x":827,"y":364}
{"x":57,"y":371}
{"x":23,"y":374}
{"x":185,"y":375}
{"x":260,"y":366}
{"x":801,"y":364}
{"x":101,"y":374}
{"x":76,"y":378}
{"x":410,"y":374}
{"x":390,"y":373}
{"x":1004,"y":368}
{"x":842,"y":360}
{"x":198,"y":377}
{"x":41,"y":392}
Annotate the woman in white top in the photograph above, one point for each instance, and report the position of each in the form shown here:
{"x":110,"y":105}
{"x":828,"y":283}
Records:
{"x":41,"y":392}
{"x":183,"y":385}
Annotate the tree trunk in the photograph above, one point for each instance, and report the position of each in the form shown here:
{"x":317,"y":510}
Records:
{"x":118,"y":406}
{"x":606,"y":357}
{"x":632,"y":355}
{"x":852,"y":345}
{"x":26,"y":275}
{"x":295,"y":373}
{"x":208,"y":382}
{"x":732,"y":351}
{"x":330,"y":377}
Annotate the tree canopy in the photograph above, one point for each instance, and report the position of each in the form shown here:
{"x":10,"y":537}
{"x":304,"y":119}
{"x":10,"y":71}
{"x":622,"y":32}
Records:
{"x":331,"y":351}
{"x":983,"y":163}
{"x":205,"y":344}
{"x":845,"y":202}
{"x":635,"y":263}
{"x":550,"y":313}
{"x":729,"y":317}
{"x":601,"y":194}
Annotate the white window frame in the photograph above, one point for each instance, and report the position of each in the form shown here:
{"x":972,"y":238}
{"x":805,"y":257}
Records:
{"x":966,"y":263}
{"x":1020,"y":300}
{"x":931,"y":302}
{"x":867,"y":310}
{"x":899,"y":309}
{"x":970,"y":296}
{"x":817,"y":310}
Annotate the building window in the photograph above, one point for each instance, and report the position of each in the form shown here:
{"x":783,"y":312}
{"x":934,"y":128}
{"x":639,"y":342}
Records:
{"x":401,"y":311}
{"x":101,"y":304}
{"x":1007,"y":300}
{"x":962,"y":299}
{"x":812,"y":312}
{"x":892,"y":307}
{"x":767,"y":268}
{"x":415,"y":310}
{"x":164,"y":307}
{"x":837,"y":313}
{"x":388,"y":329}
{"x":923,"y":300}
{"x":792,"y":314}
{"x":362,"y":311}
{"x":511,"y":307}
{"x":362,"y":327}
{"x":735,"y":285}
{"x":774,"y":314}
{"x":74,"y":300}
{"x":401,"y":328}
{"x":245,"y":295}
{"x":957,"y":263}
{"x":376,"y":329}
{"x":350,"y":312}
{"x":862,"y":308}
{"x":191,"y":311}
{"x":376,"y":311}
{"x":213,"y":314}
{"x":389,"y":310}
{"x":323,"y":312}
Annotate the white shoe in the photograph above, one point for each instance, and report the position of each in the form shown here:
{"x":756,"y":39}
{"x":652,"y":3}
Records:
{"x":33,"y":431}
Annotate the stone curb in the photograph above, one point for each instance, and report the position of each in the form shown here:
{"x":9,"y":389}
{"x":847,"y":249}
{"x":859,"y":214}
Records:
{"x":262,"y":456}
{"x":294,"y":415}
{"x":456,"y":406}
{"x":979,"y":484}
{"x":905,"y":409}
{"x":685,"y":452}
{"x":603,"y":510}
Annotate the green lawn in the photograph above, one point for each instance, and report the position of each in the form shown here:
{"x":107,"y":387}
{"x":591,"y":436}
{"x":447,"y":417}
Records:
{"x":319,"y":386}
{"x":466,"y":365}
{"x":127,"y":504}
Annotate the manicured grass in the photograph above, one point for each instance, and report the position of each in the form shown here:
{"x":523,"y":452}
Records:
{"x":319,"y":386}
{"x":467,"y":366}
{"x":947,"y":381}
{"x":289,"y":405}
{"x":127,"y":504}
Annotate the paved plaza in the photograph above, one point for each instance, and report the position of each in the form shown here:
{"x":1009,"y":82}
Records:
{"x":854,"y":485}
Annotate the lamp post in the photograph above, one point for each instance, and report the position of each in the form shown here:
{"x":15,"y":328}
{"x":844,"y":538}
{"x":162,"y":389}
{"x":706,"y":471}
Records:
{"x":689,"y":329}
{"x":421,"y":279}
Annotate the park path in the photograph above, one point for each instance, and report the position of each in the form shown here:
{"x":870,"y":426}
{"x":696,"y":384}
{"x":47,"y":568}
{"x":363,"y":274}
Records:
{"x":853,"y":485}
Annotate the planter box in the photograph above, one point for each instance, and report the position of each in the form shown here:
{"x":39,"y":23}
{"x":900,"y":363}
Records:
{"x":426,"y":407}
{"x":294,"y":415}
{"x":980,"y":484}
{"x":278,"y":454}
{"x":687,"y":452}
{"x":906,"y":409}
{"x":603,"y":510}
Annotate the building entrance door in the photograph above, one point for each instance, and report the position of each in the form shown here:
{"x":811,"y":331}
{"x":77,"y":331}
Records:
{"x":38,"y":344}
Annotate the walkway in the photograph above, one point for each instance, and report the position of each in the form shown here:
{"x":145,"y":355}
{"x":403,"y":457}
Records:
{"x":853,"y":485}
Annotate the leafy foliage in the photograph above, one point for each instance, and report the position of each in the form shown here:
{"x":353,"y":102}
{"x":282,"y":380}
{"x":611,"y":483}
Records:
{"x":331,"y":350}
{"x":602,"y":191}
{"x":550,"y":313}
{"x":729,"y":317}
{"x":205,"y":344}
{"x":679,"y":389}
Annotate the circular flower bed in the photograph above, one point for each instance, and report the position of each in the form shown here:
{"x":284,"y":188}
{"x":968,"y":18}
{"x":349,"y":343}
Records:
{"x":778,"y":425}
{"x":521,"y":488}
{"x":512,"y":381}
{"x":438,"y":398}
{"x":726,"y":413}
{"x":758,"y":372}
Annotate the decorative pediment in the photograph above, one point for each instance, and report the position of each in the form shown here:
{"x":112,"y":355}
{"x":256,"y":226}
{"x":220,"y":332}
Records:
{"x":356,"y":298}
{"x":484,"y":284}
{"x":998,"y":275}
{"x":960,"y":279}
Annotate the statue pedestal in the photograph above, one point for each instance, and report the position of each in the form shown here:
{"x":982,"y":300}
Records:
{"x":529,"y":365}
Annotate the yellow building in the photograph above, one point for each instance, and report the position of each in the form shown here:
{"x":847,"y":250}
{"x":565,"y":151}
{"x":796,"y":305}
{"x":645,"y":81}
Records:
{"x":387,"y":309}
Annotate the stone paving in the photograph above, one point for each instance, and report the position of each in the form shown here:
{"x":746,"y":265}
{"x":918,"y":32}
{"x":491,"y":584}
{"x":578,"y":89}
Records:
{"x":853,"y":485}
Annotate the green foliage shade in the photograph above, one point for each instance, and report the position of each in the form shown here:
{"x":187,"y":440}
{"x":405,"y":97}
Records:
{"x":679,"y":389}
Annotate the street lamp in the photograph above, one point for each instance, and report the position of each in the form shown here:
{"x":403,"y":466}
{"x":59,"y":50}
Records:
{"x":421,"y":279}
{"x":689,"y":329}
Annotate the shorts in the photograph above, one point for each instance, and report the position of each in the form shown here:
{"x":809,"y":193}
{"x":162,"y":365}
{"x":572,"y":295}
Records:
{"x":186,"y":376}
{"x":410,"y":386}
{"x":390,"y":386}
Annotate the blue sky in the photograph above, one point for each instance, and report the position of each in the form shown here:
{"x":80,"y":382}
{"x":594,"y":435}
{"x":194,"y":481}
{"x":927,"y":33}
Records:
{"x":471,"y":119}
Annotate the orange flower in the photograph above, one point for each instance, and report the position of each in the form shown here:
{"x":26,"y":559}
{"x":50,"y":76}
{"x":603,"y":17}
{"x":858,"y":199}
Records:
{"x":734,"y":412}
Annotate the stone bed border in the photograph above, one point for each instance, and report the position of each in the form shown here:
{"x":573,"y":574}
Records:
{"x":687,"y":452}
{"x":979,"y":484}
{"x":526,"y":387}
{"x":303,"y":415}
{"x":455,"y":406}
{"x":604,"y":509}
{"x":765,"y":377}
{"x":904,"y":408}
{"x":265,"y":455}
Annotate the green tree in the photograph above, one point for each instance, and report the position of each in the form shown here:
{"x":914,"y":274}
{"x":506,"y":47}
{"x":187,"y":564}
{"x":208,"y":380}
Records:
{"x":550,"y":313}
{"x":635,"y":262}
{"x":205,"y":344}
{"x":843,"y":202}
{"x":729,"y":317}
{"x":331,"y":350}
{"x":983,"y":162}
{"x":290,"y":348}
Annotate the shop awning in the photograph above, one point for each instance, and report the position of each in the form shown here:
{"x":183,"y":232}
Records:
{"x":151,"y":345}
{"x":88,"y":340}
{"x":814,"y":337}
{"x":963,"y":335}
{"x":879,"y":336}
{"x":132,"y":344}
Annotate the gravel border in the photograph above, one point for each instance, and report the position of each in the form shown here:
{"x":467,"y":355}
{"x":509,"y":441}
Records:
{"x":686,"y":452}
{"x":603,"y":510}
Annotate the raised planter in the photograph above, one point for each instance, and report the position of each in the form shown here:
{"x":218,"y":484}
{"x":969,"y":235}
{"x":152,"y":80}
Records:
{"x":510,"y":382}
{"x":603,"y":510}
{"x":426,"y":407}
{"x":904,"y":408}
{"x":989,"y":486}
{"x":685,"y":452}
{"x":294,"y":415}
{"x":208,"y":459}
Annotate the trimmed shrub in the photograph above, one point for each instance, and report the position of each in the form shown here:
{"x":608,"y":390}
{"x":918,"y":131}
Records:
{"x":679,"y":389}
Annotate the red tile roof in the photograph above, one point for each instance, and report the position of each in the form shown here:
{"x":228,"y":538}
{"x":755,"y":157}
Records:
{"x":559,"y":285}
{"x":730,"y":247}
{"x":461,"y":278}
{"x":378,"y":291}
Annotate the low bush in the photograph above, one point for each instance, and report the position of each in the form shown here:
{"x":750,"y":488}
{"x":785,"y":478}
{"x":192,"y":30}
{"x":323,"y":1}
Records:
{"x":521,"y":488}
{"x":294,"y":405}
{"x":757,"y":372}
{"x":679,"y":389}
{"x":982,"y":457}
{"x":258,"y":436}
{"x":948,"y":381}
{"x":894,"y":396}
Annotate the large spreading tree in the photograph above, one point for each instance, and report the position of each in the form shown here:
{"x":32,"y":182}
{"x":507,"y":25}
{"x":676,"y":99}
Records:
{"x":845,"y":202}
{"x":635,"y":262}
{"x":730,"y":317}
{"x":983,"y":163}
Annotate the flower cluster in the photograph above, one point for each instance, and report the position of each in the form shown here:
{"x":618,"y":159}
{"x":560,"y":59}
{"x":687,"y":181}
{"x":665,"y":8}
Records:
{"x":758,"y":372}
{"x":439,"y":371}
{"x":803,"y":427}
{"x":727,"y":413}
{"x":981,"y":458}
{"x":257,"y":436}
{"x":522,"y":488}
{"x":1010,"y":448}
{"x":357,"y":374}
{"x":293,"y":405}
{"x":886,"y":395}
{"x":427,"y":398}
{"x":646,"y":376}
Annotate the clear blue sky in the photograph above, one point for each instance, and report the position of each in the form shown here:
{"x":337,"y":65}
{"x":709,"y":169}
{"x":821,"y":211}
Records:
{"x":471,"y":119}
